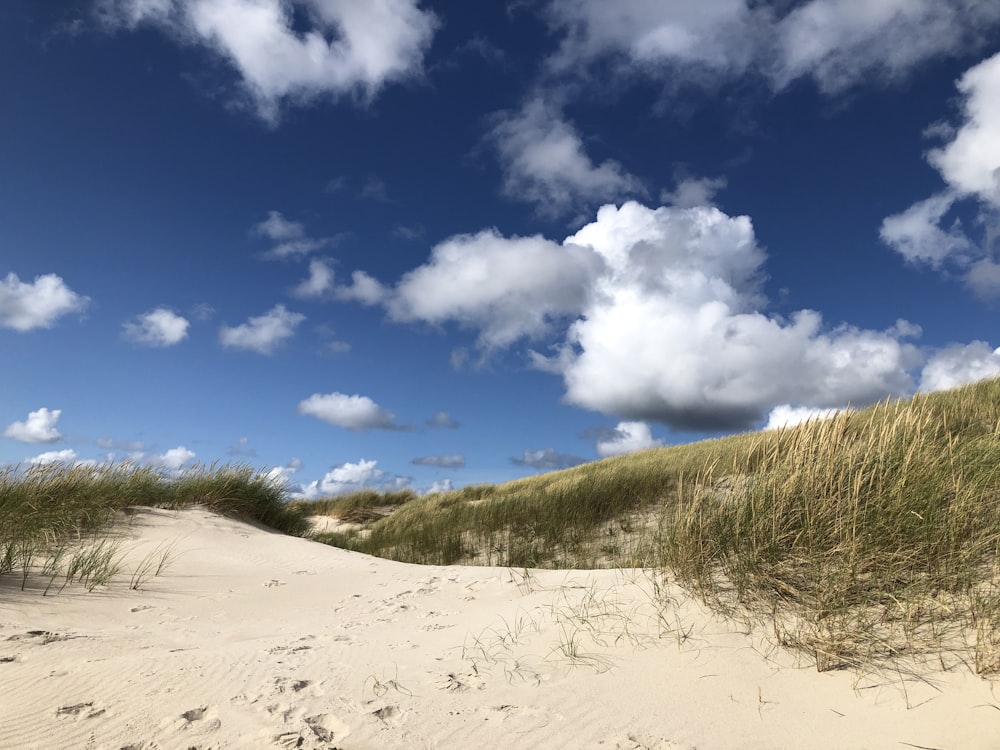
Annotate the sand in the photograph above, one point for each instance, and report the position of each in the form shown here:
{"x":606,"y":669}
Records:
{"x":252,"y":639}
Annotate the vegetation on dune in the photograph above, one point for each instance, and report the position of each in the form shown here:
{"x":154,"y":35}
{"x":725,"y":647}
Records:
{"x":866,"y":538}
{"x":55,"y":520}
{"x":870,"y":535}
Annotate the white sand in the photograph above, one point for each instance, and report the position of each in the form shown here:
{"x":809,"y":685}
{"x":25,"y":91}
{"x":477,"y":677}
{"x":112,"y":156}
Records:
{"x":252,"y":639}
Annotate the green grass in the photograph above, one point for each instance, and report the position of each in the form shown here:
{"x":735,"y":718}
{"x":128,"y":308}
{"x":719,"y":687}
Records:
{"x":55,"y":520}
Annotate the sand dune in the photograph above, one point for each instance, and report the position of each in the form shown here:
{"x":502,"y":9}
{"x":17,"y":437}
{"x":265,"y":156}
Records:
{"x":251,"y":639}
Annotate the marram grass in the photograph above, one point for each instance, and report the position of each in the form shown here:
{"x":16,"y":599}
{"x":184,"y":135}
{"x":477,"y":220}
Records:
{"x":870,"y":536}
{"x":56,"y":520}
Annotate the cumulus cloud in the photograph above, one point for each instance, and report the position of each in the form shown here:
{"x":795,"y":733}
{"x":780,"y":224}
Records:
{"x":969,"y":163}
{"x":38,"y":304}
{"x":442,"y":462}
{"x":658,"y":316}
{"x":351,"y":477}
{"x":159,"y":327}
{"x":507,"y":288}
{"x":283,"y":476}
{"x":835,"y":43}
{"x":547,"y":458}
{"x":959,"y":364}
{"x":627,"y":437}
{"x":363,"y":288}
{"x":674,"y":333}
{"x":786,"y":415}
{"x":345,"y":47}
{"x":545,"y":162}
{"x":264,"y":333}
{"x":288,"y":238}
{"x":41,"y":426}
{"x":355,"y":412}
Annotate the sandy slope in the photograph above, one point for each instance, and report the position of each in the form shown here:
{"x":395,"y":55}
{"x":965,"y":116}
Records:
{"x":251,"y":639}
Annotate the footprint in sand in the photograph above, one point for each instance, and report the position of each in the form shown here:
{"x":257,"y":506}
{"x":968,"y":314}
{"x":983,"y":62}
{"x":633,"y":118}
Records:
{"x":80,"y":710}
{"x":274,"y":582}
{"x":327,"y":727}
{"x":198,"y":720}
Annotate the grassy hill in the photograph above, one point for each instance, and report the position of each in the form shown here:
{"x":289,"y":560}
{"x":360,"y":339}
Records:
{"x":873,"y":534}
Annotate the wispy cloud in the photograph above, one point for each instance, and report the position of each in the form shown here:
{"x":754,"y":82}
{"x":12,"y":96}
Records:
{"x":547,"y":458}
{"x":443,"y":420}
{"x":25,"y":306}
{"x":442,"y":462}
{"x":288,"y":238}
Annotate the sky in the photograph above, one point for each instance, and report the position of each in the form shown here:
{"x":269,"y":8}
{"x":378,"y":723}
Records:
{"x":431,"y":244}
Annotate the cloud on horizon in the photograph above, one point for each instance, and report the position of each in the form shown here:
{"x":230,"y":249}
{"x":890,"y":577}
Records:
{"x":627,"y":437}
{"x":547,"y":458}
{"x":442,"y":462}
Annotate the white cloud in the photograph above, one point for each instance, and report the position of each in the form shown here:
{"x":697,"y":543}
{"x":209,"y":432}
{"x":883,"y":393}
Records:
{"x":289,"y":237}
{"x":276,"y":227}
{"x":320,"y":280}
{"x":693,"y":191}
{"x":444,"y":485}
{"x":664,"y":314}
{"x":547,"y":458}
{"x":159,"y":327}
{"x":970,"y":163}
{"x":351,"y":412}
{"x":959,"y":364}
{"x":39,"y":427}
{"x":970,"y":166}
{"x":916,"y":233}
{"x":348,"y":477}
{"x":442,"y":462}
{"x":545,"y":163}
{"x":348,"y":47}
{"x":786,"y":415}
{"x":507,"y":288}
{"x":24,"y":306}
{"x":836,"y":43}
{"x":174,"y":459}
{"x":283,"y":475}
{"x":264,"y":333}
{"x":675,"y":335}
{"x":628,"y":437}
{"x":363,"y":289}
{"x":67,"y":456}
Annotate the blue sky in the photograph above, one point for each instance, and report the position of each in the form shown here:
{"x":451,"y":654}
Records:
{"x":430,"y":244}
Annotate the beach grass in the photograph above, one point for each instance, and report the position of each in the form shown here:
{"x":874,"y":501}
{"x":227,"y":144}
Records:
{"x":867,"y":538}
{"x":55,"y":520}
